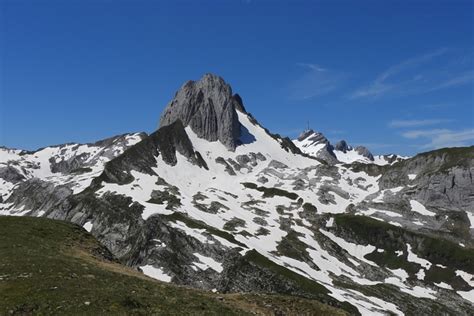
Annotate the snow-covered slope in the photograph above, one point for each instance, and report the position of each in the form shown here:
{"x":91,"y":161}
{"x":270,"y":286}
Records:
{"x":73,"y":165}
{"x":351,"y":156}
{"x":263,"y":217}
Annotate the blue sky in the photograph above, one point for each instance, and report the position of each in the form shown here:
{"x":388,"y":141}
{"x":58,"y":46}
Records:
{"x":396,"y":76}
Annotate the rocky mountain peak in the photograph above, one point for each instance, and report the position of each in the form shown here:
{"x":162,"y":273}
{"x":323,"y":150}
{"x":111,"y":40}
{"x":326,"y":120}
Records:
{"x":317,"y":145}
{"x":314,"y":137}
{"x":343,"y":146}
{"x":305,"y":134}
{"x":209,"y":108}
{"x":365,"y":152}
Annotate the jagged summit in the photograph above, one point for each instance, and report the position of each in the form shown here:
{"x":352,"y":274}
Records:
{"x":315,"y":137}
{"x":209,"y":108}
{"x":317,"y":145}
{"x":343,"y":146}
{"x":365,"y":152}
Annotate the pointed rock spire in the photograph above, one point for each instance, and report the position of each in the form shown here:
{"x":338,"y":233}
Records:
{"x":209,"y":108}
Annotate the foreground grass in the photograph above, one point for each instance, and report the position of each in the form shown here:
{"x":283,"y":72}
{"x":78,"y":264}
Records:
{"x":52,"y":267}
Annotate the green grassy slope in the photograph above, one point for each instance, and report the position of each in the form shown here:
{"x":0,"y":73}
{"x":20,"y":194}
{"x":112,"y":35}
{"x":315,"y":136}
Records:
{"x":53,"y":267}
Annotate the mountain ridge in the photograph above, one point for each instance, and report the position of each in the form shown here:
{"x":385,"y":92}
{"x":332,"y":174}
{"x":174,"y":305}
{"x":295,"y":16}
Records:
{"x":317,"y":145}
{"x":257,"y":214}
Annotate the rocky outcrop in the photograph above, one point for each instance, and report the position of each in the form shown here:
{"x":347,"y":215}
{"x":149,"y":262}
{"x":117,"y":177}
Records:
{"x":38,"y":195}
{"x":11,"y":174}
{"x":342,"y":146}
{"x":443,"y":178}
{"x":440,"y":178}
{"x":209,"y":108}
{"x":165,"y":142}
{"x":363,"y":151}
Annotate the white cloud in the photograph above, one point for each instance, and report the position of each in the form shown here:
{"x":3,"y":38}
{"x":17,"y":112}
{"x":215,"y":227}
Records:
{"x":416,"y":75}
{"x":410,"y":63}
{"x":416,"y":123}
{"x":439,"y":138}
{"x":316,"y":81}
{"x":461,"y":79}
{"x":424,"y":133}
{"x":311,"y":66}
{"x":374,"y":90}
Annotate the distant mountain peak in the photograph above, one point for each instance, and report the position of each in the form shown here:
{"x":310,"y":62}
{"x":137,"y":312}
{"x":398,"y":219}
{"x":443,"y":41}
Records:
{"x":317,"y":145}
{"x":209,"y":107}
{"x":342,"y":146}
{"x":312,"y":136}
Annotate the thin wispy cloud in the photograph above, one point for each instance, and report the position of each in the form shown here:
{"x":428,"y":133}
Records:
{"x":436,"y":105}
{"x":315,"y":81}
{"x":410,"y":63}
{"x":439,"y":138}
{"x":421,"y":74}
{"x":416,"y":123}
{"x":311,"y":66}
{"x":461,"y":79}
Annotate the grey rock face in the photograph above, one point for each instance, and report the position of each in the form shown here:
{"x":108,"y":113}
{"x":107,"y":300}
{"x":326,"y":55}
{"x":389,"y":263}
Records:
{"x":276,"y":164}
{"x":364,"y":152}
{"x":342,"y":146}
{"x":38,"y":195}
{"x":328,"y":156}
{"x":442,"y":181}
{"x":209,"y":108}
{"x":228,"y":168}
{"x":443,"y":178}
{"x":11,"y":174}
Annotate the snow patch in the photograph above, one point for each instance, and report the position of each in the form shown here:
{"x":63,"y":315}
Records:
{"x":444,"y":285}
{"x":470,"y":215}
{"x":420,"y":208}
{"x":469,"y":278}
{"x":207,"y":262}
{"x":467,"y":295}
{"x":156,"y":273}
{"x":402,"y":274}
{"x":355,"y":250}
{"x":330,"y":222}
{"x":412,"y":257}
{"x":88,"y":226}
{"x":420,"y":275}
